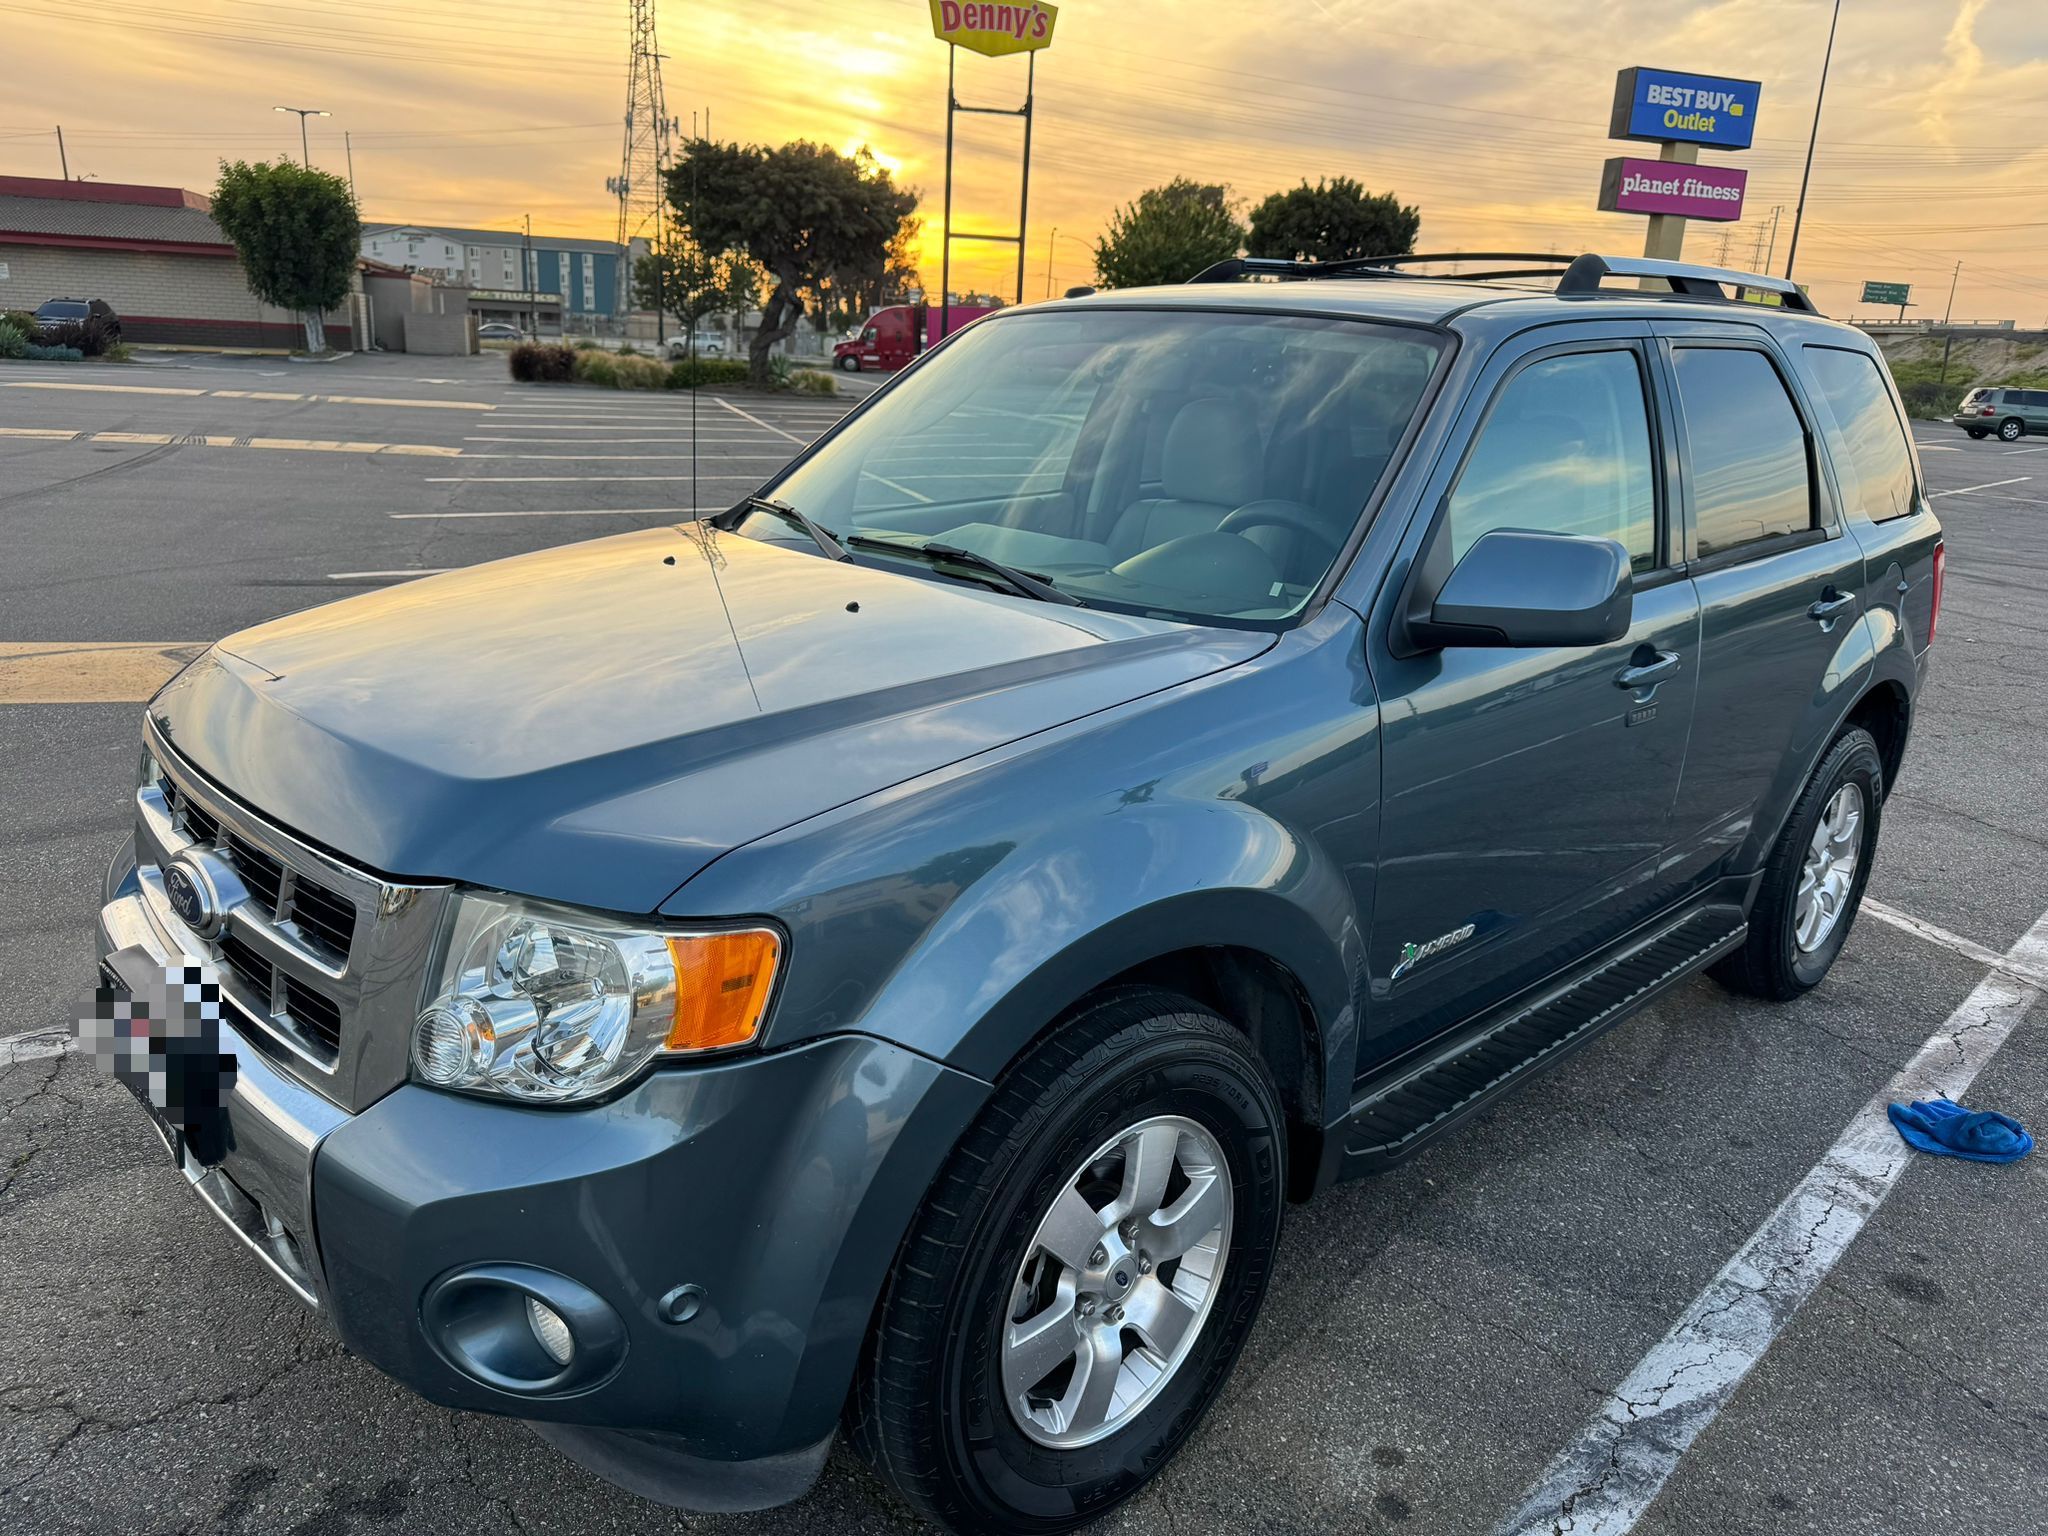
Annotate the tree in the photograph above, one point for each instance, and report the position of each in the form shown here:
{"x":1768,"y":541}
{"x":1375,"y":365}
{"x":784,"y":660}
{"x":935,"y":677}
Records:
{"x":1332,"y":221}
{"x":296,"y":233}
{"x":805,"y":213}
{"x":687,"y":282}
{"x":1168,"y":235}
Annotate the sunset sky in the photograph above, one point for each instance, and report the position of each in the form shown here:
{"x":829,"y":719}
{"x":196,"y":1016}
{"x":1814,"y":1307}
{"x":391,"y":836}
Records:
{"x":1489,"y":117}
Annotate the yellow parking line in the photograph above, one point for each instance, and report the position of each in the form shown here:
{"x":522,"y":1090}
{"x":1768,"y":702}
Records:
{"x":253,"y":394}
{"x":56,"y":434}
{"x":323,"y":445}
{"x":101,"y":389}
{"x":218,"y":440}
{"x":424,"y":405}
{"x":89,"y":672}
{"x":131,"y":437}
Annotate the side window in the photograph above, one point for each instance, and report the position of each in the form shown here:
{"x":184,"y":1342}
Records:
{"x":1565,"y":449}
{"x":1878,"y":473}
{"x":1751,"y":479}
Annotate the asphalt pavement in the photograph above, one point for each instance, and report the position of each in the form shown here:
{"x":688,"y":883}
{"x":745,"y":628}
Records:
{"x":1437,"y":1340}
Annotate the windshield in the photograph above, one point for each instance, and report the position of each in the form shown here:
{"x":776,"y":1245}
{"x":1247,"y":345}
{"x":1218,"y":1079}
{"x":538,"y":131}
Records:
{"x":1193,"y":464}
{"x":58,"y":310}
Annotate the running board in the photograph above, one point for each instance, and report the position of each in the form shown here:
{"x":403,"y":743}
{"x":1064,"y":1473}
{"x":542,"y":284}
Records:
{"x":1423,"y":1095}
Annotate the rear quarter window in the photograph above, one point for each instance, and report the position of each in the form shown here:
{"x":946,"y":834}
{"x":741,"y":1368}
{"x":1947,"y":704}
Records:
{"x":1872,"y":457}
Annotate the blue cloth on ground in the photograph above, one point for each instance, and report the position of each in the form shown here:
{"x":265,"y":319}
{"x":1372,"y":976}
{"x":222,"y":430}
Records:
{"x":1949,"y":1130}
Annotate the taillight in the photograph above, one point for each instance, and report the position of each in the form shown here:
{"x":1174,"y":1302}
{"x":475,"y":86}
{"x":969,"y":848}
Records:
{"x":1940,"y":570}
{"x":1989,"y":410}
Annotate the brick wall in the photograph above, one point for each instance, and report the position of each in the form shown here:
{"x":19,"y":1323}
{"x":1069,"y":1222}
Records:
{"x":175,"y":299}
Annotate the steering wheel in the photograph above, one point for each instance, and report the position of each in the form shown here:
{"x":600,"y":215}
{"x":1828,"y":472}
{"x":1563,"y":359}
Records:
{"x":1277,"y":512}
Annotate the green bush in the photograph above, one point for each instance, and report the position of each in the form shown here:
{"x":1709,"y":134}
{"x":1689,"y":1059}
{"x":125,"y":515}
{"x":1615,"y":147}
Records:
{"x":620,"y":371}
{"x":809,"y":381}
{"x":778,"y":372}
{"x":13,"y":339}
{"x":88,"y":337}
{"x":627,"y":349}
{"x":541,"y":362}
{"x":36,"y":353}
{"x":21,"y":320}
{"x":691,"y":373}
{"x":1926,"y":400}
{"x":585,"y":344}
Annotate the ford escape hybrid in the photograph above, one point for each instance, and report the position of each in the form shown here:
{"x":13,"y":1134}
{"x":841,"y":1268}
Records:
{"x":879,"y":962}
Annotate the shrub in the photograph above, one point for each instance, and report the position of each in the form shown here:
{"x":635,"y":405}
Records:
{"x":809,"y":381}
{"x":778,"y":372}
{"x":541,"y":362}
{"x":13,"y":340}
{"x":89,"y":337}
{"x":119,"y":352}
{"x":620,"y":371}
{"x":595,"y":367}
{"x":1927,"y":401}
{"x":691,"y":373}
{"x":41,"y":354}
{"x":586,"y":344}
{"x":19,"y":319}
{"x":627,"y":349}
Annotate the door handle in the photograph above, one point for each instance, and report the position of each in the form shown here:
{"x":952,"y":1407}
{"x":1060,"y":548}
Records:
{"x":1832,"y":605}
{"x":1647,"y":674}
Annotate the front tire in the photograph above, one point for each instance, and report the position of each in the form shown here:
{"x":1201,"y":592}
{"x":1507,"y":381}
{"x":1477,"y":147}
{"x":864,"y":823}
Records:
{"x":850,"y":364}
{"x":2011,"y":430}
{"x":1814,"y":882}
{"x":1055,"y":1324}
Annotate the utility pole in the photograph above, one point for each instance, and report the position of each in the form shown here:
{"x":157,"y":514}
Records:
{"x":62,"y":160}
{"x":1049,"y":239}
{"x":526,"y":271}
{"x":1954,"y":278}
{"x":1771,"y":253}
{"x":305,"y":152}
{"x":349,"y":149}
{"x":1819,"y":96}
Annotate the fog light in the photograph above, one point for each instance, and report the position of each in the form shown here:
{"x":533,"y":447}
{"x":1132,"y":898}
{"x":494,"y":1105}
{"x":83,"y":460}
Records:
{"x":549,"y":1328}
{"x":448,"y":1038}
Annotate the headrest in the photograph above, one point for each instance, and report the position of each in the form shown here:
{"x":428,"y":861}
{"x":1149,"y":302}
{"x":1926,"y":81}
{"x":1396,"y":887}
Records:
{"x":1212,"y":454}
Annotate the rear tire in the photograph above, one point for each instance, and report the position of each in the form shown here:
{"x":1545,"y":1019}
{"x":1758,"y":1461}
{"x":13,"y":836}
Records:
{"x":2011,"y":430}
{"x":1808,"y":902}
{"x":946,"y":1407}
{"x":1976,"y":434}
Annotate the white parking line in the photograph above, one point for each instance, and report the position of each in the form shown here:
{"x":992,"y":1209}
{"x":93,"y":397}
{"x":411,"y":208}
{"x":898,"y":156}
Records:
{"x":757,"y":421}
{"x":407,"y":517}
{"x":1988,"y":485}
{"x":1969,"y":949}
{"x":430,"y":570}
{"x":36,"y":1045}
{"x":1614,"y":1469}
{"x":721,"y":456}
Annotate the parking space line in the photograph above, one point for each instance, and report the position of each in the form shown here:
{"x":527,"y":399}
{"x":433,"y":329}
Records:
{"x":101,"y":389}
{"x":254,"y":394}
{"x":1613,"y":1470}
{"x":1986,"y":486}
{"x":48,"y":434}
{"x":721,"y":456}
{"x":35,"y":1045}
{"x":428,"y":570}
{"x":1969,"y":949}
{"x":757,"y":421}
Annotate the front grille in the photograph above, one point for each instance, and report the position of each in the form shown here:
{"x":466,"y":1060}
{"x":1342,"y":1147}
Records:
{"x":324,"y":916}
{"x":317,"y":1016}
{"x":245,"y":962}
{"x":194,"y":820}
{"x":259,"y":871}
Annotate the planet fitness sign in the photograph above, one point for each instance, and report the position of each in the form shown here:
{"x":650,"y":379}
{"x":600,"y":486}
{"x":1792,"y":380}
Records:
{"x":1666,"y":186}
{"x":994,"y":29}
{"x":1670,"y":106}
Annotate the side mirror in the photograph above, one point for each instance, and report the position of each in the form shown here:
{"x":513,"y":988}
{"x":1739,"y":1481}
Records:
{"x":1515,"y":588}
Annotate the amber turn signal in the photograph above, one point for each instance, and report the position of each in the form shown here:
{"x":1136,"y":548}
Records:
{"x":722,"y":986}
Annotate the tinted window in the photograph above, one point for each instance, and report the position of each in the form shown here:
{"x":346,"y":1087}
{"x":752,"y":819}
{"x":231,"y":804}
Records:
{"x":1749,"y":471}
{"x":1566,"y":449}
{"x":57,"y":310}
{"x":1877,"y":472}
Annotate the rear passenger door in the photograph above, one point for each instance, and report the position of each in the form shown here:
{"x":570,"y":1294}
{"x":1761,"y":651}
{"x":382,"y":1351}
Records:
{"x":1780,"y":592}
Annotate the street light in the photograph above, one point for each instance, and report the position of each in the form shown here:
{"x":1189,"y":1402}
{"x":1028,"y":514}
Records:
{"x":304,"y":113}
{"x":1820,"y":95}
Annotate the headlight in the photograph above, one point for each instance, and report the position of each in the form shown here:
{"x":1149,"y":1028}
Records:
{"x":548,"y":1005}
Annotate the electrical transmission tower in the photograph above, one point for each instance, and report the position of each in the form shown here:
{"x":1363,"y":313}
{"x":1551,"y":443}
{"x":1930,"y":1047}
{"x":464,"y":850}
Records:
{"x":642,"y":194}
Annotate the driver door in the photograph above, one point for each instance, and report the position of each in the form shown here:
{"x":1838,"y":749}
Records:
{"x":1527,"y":793}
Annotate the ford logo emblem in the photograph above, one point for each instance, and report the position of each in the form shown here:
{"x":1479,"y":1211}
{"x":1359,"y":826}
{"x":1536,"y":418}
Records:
{"x":191,"y":897}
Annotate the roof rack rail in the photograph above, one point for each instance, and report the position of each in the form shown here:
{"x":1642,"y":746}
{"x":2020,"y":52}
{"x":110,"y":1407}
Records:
{"x":1580,"y":278}
{"x":1583,"y":278}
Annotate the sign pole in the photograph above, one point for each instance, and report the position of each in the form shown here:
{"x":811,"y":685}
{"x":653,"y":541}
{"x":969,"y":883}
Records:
{"x":1664,"y":239}
{"x":1024,"y":201}
{"x":946,"y":229}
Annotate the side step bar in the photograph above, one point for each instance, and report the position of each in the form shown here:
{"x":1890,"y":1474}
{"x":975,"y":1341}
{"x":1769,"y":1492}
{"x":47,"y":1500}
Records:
{"x":1426,"y":1093}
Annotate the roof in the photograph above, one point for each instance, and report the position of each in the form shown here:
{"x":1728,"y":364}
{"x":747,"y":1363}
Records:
{"x":86,"y":215}
{"x":463,"y":236}
{"x":1435,"y":301}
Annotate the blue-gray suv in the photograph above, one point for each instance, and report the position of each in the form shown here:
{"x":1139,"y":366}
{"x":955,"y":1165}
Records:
{"x":881,"y":961}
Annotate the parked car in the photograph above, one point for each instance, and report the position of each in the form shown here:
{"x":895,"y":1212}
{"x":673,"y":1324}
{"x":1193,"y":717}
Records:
{"x":498,"y":330}
{"x":2011,"y":413}
{"x":882,"y":960}
{"x":891,"y":338}
{"x":707,"y":346}
{"x":52,"y":313}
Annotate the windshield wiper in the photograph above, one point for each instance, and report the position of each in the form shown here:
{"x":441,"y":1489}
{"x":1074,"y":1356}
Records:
{"x":823,"y":537}
{"x":1022,"y":583}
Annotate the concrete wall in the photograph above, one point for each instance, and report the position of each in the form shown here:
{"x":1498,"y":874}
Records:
{"x":178,"y":299}
{"x":444,"y":335}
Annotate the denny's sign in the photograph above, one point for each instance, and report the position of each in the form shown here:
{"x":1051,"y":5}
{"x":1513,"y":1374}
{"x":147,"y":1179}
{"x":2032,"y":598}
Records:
{"x":994,"y":29}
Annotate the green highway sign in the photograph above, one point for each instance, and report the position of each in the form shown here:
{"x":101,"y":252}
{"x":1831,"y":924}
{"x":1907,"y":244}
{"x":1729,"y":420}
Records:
{"x":1887,"y":293}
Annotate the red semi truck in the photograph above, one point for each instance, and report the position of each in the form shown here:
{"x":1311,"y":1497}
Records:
{"x":891,"y":337}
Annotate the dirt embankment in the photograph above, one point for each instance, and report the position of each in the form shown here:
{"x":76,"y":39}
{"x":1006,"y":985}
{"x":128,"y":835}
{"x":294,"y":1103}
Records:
{"x":1974,"y":359}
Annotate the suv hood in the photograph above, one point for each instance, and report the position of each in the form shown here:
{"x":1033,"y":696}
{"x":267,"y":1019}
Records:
{"x":596,"y":723}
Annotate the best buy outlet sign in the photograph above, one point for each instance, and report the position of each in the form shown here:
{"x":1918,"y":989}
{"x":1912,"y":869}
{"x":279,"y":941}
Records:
{"x":994,"y":29}
{"x":1669,"y":105}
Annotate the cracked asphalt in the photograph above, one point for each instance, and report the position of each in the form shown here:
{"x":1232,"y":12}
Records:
{"x":1435,"y":1337}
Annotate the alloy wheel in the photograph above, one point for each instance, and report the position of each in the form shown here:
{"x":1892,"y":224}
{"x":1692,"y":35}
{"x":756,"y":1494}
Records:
{"x":1829,"y":870}
{"x":1117,"y":1281}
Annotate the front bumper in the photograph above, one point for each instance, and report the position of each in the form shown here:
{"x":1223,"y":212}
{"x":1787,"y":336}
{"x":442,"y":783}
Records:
{"x":778,"y":1187}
